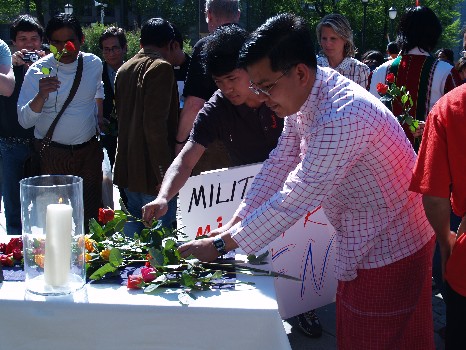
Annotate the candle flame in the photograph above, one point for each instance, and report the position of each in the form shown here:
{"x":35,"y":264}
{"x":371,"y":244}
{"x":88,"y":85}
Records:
{"x":60,"y":200}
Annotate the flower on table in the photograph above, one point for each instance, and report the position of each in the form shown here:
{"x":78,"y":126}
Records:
{"x":105,"y":254}
{"x":39,"y":260}
{"x":148,"y":273}
{"x":135,"y":282}
{"x":11,"y":253}
{"x":106,"y":215}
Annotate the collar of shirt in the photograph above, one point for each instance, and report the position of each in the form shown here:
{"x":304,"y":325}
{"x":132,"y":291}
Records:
{"x":418,"y":51}
{"x":344,"y":65}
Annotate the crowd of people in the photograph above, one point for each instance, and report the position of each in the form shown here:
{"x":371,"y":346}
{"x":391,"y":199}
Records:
{"x":394,"y":194}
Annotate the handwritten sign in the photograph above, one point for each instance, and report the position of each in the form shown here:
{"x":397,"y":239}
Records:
{"x":305,"y":251}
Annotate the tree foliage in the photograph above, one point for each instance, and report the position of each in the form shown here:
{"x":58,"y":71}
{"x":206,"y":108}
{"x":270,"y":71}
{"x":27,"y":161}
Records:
{"x":185,"y":14}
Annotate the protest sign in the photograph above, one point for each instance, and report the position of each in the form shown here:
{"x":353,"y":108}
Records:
{"x":305,"y":251}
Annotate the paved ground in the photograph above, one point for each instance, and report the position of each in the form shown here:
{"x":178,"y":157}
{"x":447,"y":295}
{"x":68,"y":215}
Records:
{"x":326,"y":314}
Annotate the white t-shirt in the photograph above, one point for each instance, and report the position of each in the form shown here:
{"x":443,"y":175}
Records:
{"x":78,"y":123}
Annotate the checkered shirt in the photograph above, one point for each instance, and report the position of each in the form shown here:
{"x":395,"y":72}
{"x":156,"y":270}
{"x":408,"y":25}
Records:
{"x":345,"y":151}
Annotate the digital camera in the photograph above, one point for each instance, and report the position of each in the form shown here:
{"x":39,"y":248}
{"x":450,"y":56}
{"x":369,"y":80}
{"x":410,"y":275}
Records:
{"x":30,"y":57}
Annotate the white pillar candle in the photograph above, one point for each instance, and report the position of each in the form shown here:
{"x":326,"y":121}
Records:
{"x":57,"y":259}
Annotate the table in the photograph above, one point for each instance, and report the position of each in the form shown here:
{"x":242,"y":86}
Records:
{"x":108,"y":316}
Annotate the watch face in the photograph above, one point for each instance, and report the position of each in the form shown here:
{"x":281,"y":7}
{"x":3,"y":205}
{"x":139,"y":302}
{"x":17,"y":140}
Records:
{"x":219,"y":244}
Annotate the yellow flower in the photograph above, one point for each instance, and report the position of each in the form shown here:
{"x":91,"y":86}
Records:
{"x":105,"y":254}
{"x":89,"y":244}
{"x":88,"y":257}
{"x":39,"y":260}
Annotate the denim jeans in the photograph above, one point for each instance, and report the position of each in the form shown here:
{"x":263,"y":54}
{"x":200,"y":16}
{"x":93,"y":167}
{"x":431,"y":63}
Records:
{"x":13,"y":156}
{"x":136,"y":201}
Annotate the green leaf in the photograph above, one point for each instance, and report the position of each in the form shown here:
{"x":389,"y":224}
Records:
{"x":53,"y":50}
{"x":120,"y":225}
{"x":115,"y":257}
{"x":169,"y":243}
{"x":404,"y":99}
{"x":96,"y":230}
{"x":187,"y":280}
{"x":100,"y":273}
{"x":257,"y":260}
{"x":158,"y":259}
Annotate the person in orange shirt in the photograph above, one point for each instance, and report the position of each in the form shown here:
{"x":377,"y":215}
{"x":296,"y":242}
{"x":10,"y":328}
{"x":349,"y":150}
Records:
{"x":439,"y":175}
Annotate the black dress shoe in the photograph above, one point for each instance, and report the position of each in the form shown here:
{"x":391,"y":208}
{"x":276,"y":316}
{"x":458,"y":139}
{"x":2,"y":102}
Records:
{"x":309,"y":324}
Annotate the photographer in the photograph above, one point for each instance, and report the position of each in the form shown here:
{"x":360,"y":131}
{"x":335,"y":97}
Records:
{"x":26,"y":34}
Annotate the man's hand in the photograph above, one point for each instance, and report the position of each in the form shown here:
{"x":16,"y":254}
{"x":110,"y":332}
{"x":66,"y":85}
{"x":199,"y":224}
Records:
{"x":446,"y":247}
{"x":202,"y":249}
{"x":420,"y":129}
{"x":17,"y":57}
{"x":47,"y":85}
{"x":154,"y":210}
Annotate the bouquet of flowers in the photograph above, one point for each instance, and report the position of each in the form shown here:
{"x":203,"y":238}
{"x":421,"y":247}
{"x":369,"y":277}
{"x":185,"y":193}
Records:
{"x":155,"y":248}
{"x":11,"y":253}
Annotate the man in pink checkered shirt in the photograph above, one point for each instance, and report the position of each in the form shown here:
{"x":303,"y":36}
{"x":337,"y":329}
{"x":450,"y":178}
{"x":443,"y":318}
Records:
{"x":342,"y":149}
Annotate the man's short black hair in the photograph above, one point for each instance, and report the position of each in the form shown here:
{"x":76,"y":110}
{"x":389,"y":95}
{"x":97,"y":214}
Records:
{"x":157,"y":31}
{"x":221,"y":49}
{"x":25,"y":23}
{"x":392,"y":48}
{"x":63,"y":20}
{"x":419,"y":27}
{"x":113,"y":32}
{"x":285,"y":39}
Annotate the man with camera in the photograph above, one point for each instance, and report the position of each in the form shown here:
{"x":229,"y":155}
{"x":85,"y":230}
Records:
{"x":26,"y":34}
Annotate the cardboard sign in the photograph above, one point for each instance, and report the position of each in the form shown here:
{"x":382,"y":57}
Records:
{"x":305,"y":251}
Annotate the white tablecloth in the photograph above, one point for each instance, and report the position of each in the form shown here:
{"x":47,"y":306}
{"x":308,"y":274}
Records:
{"x":105,"y":316}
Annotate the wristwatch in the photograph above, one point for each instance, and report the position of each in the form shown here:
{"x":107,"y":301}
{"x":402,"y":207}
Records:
{"x":219,"y":244}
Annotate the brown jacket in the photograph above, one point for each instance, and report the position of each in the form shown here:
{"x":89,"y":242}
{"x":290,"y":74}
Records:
{"x":147,"y":105}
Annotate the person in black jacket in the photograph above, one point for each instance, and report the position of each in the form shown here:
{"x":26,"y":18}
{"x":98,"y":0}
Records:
{"x":26,"y":34}
{"x":113,"y":44}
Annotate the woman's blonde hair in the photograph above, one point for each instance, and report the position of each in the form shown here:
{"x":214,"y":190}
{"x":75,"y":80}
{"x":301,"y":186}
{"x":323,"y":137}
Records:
{"x":341,"y":26}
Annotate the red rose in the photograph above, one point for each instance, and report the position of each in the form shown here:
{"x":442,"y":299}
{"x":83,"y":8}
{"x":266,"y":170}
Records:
{"x":135,"y":282}
{"x":106,"y":215}
{"x":6,"y":260}
{"x":390,"y":78}
{"x":382,"y":88}
{"x":3,"y":247}
{"x":17,"y":254}
{"x":148,"y":274}
{"x":69,"y":46}
{"x":14,"y":243}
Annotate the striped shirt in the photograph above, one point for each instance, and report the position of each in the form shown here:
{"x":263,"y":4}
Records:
{"x":343,"y":150}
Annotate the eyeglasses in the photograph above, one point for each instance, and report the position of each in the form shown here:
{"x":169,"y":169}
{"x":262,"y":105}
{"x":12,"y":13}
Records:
{"x":257,"y":90}
{"x":113,"y":49}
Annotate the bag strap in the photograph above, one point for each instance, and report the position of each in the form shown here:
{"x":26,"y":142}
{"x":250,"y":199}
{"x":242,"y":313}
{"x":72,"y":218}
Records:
{"x":77,"y":80}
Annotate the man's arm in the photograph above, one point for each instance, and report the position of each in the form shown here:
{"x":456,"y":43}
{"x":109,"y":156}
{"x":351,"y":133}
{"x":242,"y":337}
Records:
{"x":174,"y":179}
{"x":7,"y":80}
{"x":438,"y":210}
{"x":192,"y":106}
{"x":7,"y":77}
